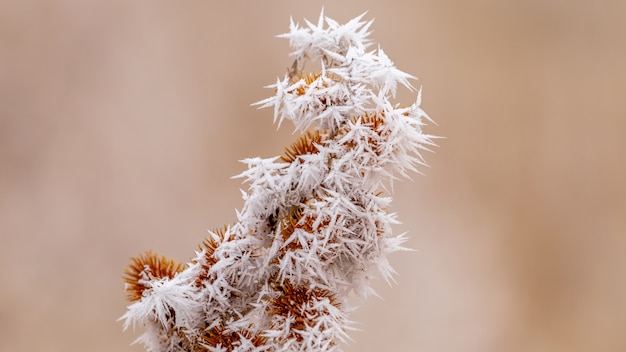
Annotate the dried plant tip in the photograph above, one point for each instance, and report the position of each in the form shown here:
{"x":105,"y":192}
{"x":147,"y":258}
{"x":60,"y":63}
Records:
{"x":308,"y":79}
{"x":145,"y":267}
{"x":306,"y":144}
{"x":372,"y":120}
{"x":312,"y":224}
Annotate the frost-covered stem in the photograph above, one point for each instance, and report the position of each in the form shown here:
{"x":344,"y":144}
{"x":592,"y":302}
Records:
{"x":314,"y":222}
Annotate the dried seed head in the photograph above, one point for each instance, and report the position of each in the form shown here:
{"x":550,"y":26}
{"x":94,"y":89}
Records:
{"x":146,"y":267}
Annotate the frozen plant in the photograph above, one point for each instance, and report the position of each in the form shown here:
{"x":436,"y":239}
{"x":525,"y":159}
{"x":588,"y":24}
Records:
{"x":314,"y":224}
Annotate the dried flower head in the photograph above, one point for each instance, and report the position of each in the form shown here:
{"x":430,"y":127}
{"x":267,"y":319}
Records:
{"x":147,"y":267}
{"x":314,"y":223}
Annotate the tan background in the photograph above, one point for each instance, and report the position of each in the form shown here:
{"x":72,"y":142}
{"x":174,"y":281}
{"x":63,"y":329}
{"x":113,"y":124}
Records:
{"x":121,"y":123}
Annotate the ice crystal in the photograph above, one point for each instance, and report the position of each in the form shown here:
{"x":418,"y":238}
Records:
{"x":314,"y":224}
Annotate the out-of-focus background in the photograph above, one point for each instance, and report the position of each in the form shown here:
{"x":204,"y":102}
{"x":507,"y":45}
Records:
{"x":121,"y":123}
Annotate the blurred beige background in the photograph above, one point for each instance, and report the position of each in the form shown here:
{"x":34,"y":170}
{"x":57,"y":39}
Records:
{"x":121,"y":123}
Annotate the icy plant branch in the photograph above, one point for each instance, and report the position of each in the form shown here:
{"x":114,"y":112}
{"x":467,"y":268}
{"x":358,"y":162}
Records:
{"x":314,"y":225}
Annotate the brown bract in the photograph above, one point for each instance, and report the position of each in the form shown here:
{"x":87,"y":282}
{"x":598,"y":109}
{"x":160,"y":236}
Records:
{"x":299,"y":302}
{"x":308,"y":79}
{"x":209,"y":245}
{"x":306,"y":144}
{"x":146,"y":267}
{"x":224,"y":338}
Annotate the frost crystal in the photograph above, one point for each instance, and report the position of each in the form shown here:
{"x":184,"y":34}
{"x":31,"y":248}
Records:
{"x":314,"y":223}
